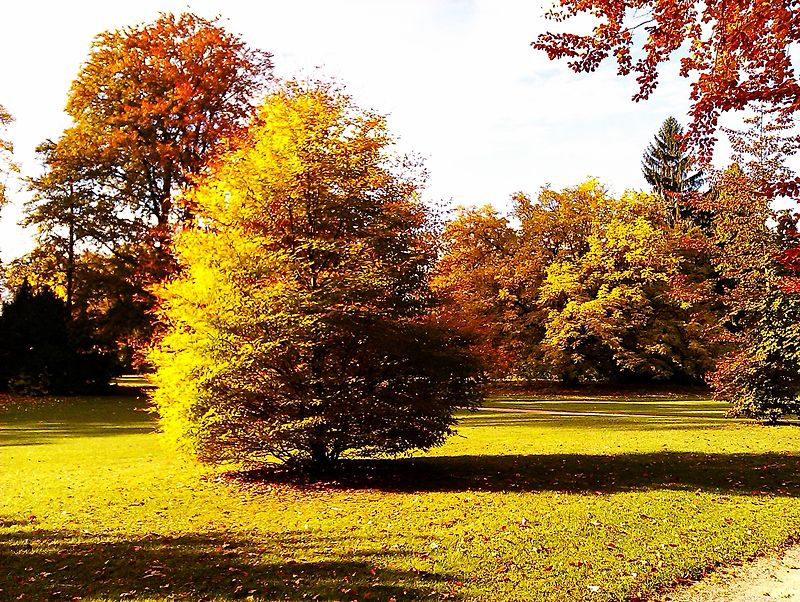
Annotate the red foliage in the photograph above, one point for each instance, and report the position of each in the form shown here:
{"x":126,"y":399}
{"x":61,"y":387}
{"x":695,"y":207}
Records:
{"x":738,"y":52}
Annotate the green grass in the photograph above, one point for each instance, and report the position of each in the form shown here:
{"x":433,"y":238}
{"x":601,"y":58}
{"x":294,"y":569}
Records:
{"x":521,"y":506}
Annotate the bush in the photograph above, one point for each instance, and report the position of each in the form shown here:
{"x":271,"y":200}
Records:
{"x":297,"y":328}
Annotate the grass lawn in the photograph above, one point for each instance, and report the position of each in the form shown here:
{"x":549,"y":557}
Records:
{"x":608,"y":498}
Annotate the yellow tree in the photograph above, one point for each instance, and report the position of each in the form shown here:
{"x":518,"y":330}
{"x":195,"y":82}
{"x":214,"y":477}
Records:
{"x":612,"y":312}
{"x":586,"y":287}
{"x":296,"y":329}
{"x":490,"y":273}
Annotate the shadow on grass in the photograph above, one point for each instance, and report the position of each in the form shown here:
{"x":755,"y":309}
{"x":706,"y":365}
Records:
{"x":43,"y":565}
{"x":767,"y":474}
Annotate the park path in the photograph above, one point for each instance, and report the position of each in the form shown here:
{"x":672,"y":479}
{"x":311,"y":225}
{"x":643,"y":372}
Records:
{"x":582,"y":413}
{"x":767,"y":578}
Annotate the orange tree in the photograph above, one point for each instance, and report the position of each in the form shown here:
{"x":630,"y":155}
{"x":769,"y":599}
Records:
{"x":585,"y":288}
{"x":297,"y":329}
{"x":149,"y":107}
{"x":153,"y":100}
{"x":737,"y":52}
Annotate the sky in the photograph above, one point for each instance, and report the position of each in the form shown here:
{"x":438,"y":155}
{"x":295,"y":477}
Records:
{"x":457,"y":79}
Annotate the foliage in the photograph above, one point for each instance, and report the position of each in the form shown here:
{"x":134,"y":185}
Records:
{"x":296,"y":329}
{"x":762,"y":148}
{"x":738,"y":52}
{"x":611,"y":314}
{"x":586,"y":288}
{"x":39,"y":354}
{"x":481,"y":289}
{"x":668,"y":169}
{"x":490,"y":273}
{"x":150,"y":106}
{"x":522,"y":506}
{"x":153,"y":101}
{"x":761,"y":377}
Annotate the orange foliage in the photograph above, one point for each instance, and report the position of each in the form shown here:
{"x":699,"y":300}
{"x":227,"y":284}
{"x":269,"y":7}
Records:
{"x":738,"y":51}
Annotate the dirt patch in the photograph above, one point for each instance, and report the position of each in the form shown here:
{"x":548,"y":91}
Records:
{"x":766,"y":578}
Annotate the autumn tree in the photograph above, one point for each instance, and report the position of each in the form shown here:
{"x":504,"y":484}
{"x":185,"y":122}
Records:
{"x":150,"y":106}
{"x":153,"y":100}
{"x":737,"y":53}
{"x":611,"y":311}
{"x":763,"y":146}
{"x":480,"y":291}
{"x":754,"y":250}
{"x":585,"y":287}
{"x":490,"y":273}
{"x":297,"y":328}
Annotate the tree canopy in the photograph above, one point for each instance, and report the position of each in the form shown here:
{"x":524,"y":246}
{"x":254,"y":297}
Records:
{"x":297,"y":326}
{"x":153,"y":100}
{"x":586,"y":288}
{"x":736,"y":52}
{"x":150,"y":106}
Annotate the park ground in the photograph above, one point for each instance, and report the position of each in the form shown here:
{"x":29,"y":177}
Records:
{"x":561,"y":497}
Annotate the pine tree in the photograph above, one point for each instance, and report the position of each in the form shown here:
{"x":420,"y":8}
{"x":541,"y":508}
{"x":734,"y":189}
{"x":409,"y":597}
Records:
{"x":669,"y":169}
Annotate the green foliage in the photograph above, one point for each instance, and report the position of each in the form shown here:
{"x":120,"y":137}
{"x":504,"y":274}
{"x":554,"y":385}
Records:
{"x":296,"y":329}
{"x":761,"y":376}
{"x":762,"y":379}
{"x":668,"y":168}
{"x":39,"y":353}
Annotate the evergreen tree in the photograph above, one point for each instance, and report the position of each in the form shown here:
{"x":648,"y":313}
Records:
{"x":669,"y":169}
{"x":40,"y":353}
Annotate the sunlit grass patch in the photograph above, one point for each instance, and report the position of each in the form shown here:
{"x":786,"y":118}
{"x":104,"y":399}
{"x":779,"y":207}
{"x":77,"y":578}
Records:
{"x":519,"y":506}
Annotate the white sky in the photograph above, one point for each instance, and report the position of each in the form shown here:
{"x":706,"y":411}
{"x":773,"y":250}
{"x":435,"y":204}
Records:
{"x":458,"y":79}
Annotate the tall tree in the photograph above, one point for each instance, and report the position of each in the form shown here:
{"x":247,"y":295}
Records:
{"x":154,"y":100}
{"x":668,"y":168}
{"x":297,"y":328}
{"x":150,"y":107}
{"x":761,"y":376}
{"x":757,"y":259}
{"x":738,"y":52}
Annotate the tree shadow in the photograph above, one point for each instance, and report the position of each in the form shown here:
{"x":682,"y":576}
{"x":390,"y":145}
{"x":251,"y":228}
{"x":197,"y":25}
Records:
{"x":766,"y":474}
{"x":48,"y":565}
